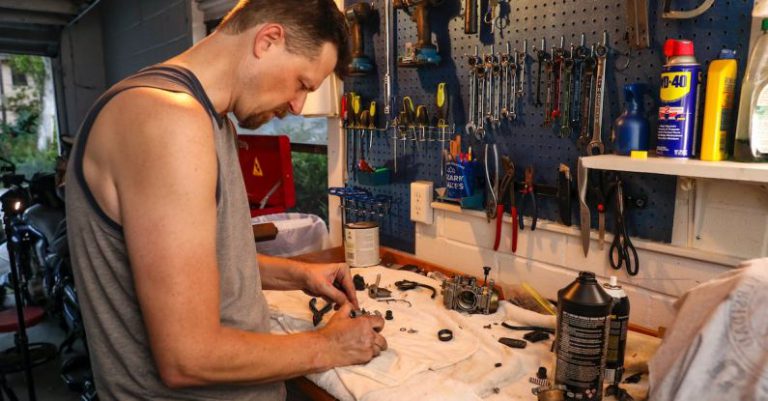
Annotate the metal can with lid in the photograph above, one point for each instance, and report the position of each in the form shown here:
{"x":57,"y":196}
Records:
{"x":361,"y":244}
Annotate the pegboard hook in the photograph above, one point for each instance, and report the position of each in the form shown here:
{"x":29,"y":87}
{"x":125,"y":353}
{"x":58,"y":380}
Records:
{"x":672,"y":14}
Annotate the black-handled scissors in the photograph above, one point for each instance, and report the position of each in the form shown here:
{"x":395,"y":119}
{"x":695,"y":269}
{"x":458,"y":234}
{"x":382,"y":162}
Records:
{"x":621,"y":248}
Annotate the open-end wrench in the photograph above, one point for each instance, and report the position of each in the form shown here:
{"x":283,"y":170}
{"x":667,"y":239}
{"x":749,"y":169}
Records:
{"x":596,"y":145}
{"x":522,"y":58}
{"x":472,"y":61}
{"x":542,"y":57}
{"x":480,"y":73}
{"x":549,"y":71}
{"x":513,"y":86}
{"x":565,"y":117}
{"x":579,"y":55}
{"x":490,"y":73}
{"x":587,"y":79}
{"x":558,"y":57}
{"x":505,"y":81}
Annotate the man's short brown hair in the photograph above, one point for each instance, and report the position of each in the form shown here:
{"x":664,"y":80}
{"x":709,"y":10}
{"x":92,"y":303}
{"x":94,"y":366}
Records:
{"x":308,"y":25}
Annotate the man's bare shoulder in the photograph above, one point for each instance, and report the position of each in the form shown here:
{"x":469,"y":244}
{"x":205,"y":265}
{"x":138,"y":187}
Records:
{"x":149,"y":109}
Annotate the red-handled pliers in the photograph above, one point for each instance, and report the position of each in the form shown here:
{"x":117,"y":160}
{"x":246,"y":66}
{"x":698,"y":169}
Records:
{"x":507,"y":187}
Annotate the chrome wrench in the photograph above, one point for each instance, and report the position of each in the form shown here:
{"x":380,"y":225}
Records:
{"x":596,"y":144}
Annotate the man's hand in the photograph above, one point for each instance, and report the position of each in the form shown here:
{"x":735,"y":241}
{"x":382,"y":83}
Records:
{"x":331,"y":281}
{"x":353,"y":341}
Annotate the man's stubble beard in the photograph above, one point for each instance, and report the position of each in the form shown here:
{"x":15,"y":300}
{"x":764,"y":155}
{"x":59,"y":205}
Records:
{"x":256,"y":121}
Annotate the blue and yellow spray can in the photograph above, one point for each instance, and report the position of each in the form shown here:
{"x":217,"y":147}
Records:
{"x":679,"y":96}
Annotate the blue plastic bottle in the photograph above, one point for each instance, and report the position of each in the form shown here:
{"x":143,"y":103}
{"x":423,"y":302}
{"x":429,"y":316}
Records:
{"x":631,"y":128}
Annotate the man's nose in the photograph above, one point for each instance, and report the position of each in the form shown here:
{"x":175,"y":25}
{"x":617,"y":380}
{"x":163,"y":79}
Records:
{"x":297,"y":104}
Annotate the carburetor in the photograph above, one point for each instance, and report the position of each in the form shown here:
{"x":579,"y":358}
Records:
{"x":464,"y":295}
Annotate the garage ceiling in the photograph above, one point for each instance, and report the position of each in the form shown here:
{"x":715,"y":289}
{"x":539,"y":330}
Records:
{"x":34,"y":26}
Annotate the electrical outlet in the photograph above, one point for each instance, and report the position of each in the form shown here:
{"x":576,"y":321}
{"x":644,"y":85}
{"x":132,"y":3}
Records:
{"x":421,"y":201}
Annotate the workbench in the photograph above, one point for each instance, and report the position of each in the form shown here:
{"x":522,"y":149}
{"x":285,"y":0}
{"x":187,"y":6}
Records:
{"x":640,"y":346}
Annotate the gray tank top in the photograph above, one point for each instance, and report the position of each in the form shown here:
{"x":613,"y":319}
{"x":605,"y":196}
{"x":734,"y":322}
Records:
{"x":119,"y":348}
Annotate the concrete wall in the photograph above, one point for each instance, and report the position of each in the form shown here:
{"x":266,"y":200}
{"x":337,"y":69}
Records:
{"x":115,"y":39}
{"x":138,"y":33}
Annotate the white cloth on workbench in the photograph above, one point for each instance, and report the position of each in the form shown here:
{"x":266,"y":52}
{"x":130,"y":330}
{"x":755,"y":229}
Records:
{"x":717,"y":348}
{"x":416,"y":365}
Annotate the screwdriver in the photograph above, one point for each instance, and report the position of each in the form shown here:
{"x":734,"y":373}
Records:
{"x":441,"y":101}
{"x":422,"y":120}
{"x":355,"y":123}
{"x":371,"y":123}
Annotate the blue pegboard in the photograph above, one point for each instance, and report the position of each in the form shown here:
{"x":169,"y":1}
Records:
{"x":723,"y":26}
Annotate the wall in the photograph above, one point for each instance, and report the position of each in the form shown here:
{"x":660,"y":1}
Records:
{"x":139,"y":33}
{"x":551,"y":257}
{"x":113,"y":40}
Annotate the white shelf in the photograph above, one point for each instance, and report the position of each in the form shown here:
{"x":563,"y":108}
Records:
{"x":725,"y":170}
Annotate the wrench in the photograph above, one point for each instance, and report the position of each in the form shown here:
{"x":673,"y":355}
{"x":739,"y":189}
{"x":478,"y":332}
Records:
{"x":513,"y":88}
{"x":473,"y":61}
{"x":596,"y":144}
{"x":586,"y":99}
{"x":521,"y":59}
{"x":558,"y":55}
{"x":581,"y":54}
{"x":490,"y":67}
{"x":542,"y":57}
{"x":505,"y":82}
{"x":548,"y":68}
{"x":565,"y":117}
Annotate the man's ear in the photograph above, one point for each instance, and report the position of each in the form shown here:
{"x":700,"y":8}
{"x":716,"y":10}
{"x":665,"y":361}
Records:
{"x":267,"y":36}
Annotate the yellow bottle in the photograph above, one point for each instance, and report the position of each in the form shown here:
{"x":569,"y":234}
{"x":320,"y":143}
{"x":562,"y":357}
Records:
{"x":718,"y":107}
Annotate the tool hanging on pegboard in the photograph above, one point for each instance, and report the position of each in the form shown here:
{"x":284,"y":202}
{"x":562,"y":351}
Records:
{"x":357,"y":15}
{"x":423,"y":52}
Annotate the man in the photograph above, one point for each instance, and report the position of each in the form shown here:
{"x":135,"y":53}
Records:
{"x":165,"y":264}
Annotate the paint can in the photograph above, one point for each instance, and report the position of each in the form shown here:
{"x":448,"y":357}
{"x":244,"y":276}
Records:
{"x":679,"y":95}
{"x":361,"y":244}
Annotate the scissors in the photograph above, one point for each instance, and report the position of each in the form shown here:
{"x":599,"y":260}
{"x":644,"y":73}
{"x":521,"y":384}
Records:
{"x":622,"y":247}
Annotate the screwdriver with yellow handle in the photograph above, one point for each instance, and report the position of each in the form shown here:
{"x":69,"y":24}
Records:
{"x":371,"y":123}
{"x":355,"y":118}
{"x":441,"y":101}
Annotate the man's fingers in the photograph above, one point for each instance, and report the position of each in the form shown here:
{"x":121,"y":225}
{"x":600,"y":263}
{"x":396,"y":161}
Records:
{"x":348,"y":284}
{"x":334,"y":295}
{"x":377,"y":323}
{"x":381,"y":342}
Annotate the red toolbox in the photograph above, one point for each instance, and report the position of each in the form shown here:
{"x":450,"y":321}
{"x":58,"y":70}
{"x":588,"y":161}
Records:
{"x":268,"y":172}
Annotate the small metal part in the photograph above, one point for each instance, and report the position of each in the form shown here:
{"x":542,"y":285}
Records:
{"x":412,"y":331}
{"x":541,"y":373}
{"x":635,"y":378}
{"x":536,"y":336}
{"x":375,"y":292}
{"x":497,"y":364}
{"x":403,"y":329}
{"x":445,"y":335}
{"x":387,"y":301}
{"x":388,"y":315}
{"x":356,"y":313}
{"x":359,"y":282}
{"x":496,"y":390}
{"x":513,"y":342}
{"x":487,"y":326}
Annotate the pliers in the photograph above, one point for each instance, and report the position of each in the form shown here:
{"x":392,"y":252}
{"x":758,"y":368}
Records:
{"x":317,"y":314}
{"x":492,"y":202}
{"x":531,"y":194}
{"x":507,"y":186}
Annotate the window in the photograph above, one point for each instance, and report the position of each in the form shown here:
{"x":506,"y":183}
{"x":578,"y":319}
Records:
{"x":309,"y":139}
{"x":19,"y":78}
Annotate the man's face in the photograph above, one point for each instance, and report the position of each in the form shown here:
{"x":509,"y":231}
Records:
{"x":281,"y":83}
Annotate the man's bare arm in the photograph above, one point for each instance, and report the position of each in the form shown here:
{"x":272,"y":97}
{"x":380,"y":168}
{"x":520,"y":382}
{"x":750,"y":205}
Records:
{"x":165,"y":178}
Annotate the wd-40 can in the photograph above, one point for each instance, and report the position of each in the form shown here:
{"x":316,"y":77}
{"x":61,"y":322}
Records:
{"x":679,"y":95}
